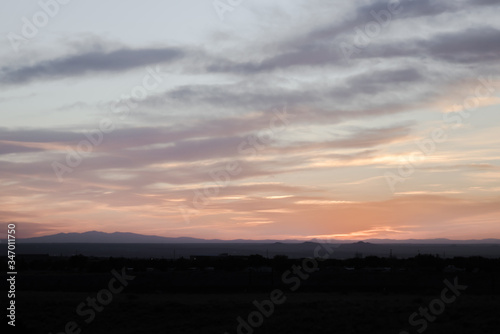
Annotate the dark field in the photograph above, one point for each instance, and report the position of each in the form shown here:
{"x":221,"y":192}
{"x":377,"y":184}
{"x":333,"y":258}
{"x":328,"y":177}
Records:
{"x":332,"y":312}
{"x":209,"y":294}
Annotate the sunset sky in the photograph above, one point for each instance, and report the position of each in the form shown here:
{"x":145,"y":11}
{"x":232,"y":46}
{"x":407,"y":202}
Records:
{"x":262,"y":119}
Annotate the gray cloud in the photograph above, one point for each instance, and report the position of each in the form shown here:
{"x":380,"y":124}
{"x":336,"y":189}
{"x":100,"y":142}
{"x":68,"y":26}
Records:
{"x":246,"y":96}
{"x":474,"y":45}
{"x":38,"y":135}
{"x":484,"y":2}
{"x":406,"y":9}
{"x":10,"y":148}
{"x":93,"y":61}
{"x":469,"y":46}
{"x":378,"y":81}
{"x":359,"y":138}
{"x":212,"y":148}
{"x":320,"y":46}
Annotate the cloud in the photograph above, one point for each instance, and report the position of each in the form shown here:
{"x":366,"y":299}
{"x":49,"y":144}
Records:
{"x":371,"y":83}
{"x":474,"y":45}
{"x":26,"y":229}
{"x":364,"y":138}
{"x":38,"y":135}
{"x":477,"y":45}
{"x":362,"y":15}
{"x":319,"y":47}
{"x":96,"y":61}
{"x":316,"y":56}
{"x":484,"y":2}
{"x":6,"y":148}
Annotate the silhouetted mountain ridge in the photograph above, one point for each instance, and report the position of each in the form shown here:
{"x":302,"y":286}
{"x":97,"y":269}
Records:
{"x":129,"y":237}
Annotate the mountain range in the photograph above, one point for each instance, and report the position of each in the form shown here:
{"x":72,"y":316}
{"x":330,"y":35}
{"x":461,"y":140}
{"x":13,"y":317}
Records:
{"x":127,"y":237}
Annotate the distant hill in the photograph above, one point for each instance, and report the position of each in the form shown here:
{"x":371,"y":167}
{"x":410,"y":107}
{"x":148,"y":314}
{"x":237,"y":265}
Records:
{"x":127,"y":237}
{"x":437,"y":241}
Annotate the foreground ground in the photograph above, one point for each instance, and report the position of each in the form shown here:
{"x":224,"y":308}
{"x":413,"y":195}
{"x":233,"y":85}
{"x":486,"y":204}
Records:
{"x":219,"y":295}
{"x":45,"y":312}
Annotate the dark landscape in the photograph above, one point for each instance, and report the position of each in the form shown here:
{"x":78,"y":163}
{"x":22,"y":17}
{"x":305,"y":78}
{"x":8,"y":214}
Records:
{"x":175,"y":285}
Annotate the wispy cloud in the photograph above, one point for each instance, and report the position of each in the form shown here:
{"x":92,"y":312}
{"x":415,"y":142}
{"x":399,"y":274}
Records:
{"x":89,"y":62}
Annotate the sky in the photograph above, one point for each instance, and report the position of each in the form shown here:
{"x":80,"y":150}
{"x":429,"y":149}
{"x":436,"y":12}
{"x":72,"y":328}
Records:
{"x":286,"y":119}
